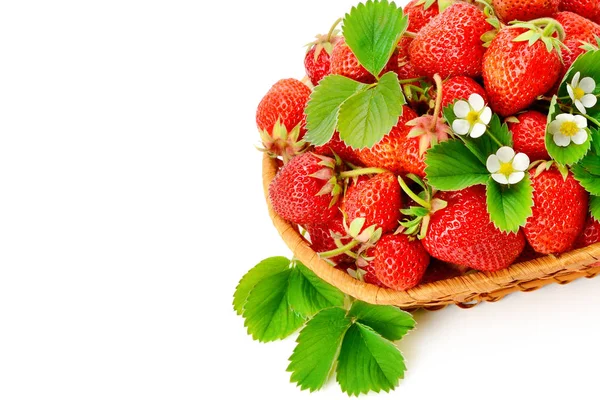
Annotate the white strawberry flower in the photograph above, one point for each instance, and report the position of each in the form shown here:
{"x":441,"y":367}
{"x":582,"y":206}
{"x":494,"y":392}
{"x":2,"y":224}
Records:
{"x":473,"y":116}
{"x":507,"y":167}
{"x":581,"y":92}
{"x":567,"y":128}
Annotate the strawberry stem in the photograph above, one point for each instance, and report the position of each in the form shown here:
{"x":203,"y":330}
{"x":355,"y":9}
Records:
{"x":438,"y":100}
{"x":339,"y":250}
{"x":405,"y":81}
{"x":332,"y":30}
{"x":361,"y":171}
{"x":412,"y":194}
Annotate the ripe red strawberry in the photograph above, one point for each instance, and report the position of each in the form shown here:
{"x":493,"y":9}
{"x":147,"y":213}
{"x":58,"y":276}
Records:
{"x":438,"y":271}
{"x":400,"y":262}
{"x":590,"y":234}
{"x":459,"y":87}
{"x":364,"y":273}
{"x":378,"y":200}
{"x":450,"y":44}
{"x":559,"y":212}
{"x":280,"y":117}
{"x":516,"y":73}
{"x":322,"y":237}
{"x":463,"y":234}
{"x":305,"y":190}
{"x":317,"y":61}
{"x":339,"y":147}
{"x":389,"y":152}
{"x":405,"y":68}
{"x":344,"y":62}
{"x":420,"y":13}
{"x":529,"y":135}
{"x":577,"y":29}
{"x":511,"y":10}
{"x":586,"y":8}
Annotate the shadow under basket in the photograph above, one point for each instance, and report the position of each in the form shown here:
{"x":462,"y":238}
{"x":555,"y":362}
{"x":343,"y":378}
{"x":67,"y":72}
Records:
{"x":465,"y":291}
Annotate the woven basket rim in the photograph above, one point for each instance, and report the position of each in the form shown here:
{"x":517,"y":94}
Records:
{"x":465,"y":290}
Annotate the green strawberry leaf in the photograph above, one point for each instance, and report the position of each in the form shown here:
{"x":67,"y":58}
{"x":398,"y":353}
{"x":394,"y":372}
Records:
{"x":390,"y":322}
{"x":509,"y":206}
{"x":368,"y":362}
{"x":372,"y":31}
{"x":318,"y":347}
{"x":323,"y":108}
{"x":564,"y":155}
{"x":595,"y":207}
{"x":452,"y":166}
{"x":587,"y":171}
{"x":264,"y":269}
{"x":368,"y":116}
{"x":267,"y":310}
{"x":308,"y":294}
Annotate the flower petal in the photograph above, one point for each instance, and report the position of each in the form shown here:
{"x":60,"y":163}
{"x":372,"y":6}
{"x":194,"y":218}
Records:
{"x":493,"y":164}
{"x":521,"y":162}
{"x":575,"y":81}
{"x":580,"y":106}
{"x":486,"y":115}
{"x":580,"y":121}
{"x":478,"y":130}
{"x":587,"y":84}
{"x":561,"y":140}
{"x":461,"y":109}
{"x":516,"y":177}
{"x":461,"y":126}
{"x":500,"y":178}
{"x":554,"y":127}
{"x":580,"y":137}
{"x":564,"y":117}
{"x":476,"y":102}
{"x":505,"y":154}
{"x":589,"y":100}
{"x":571,"y":93}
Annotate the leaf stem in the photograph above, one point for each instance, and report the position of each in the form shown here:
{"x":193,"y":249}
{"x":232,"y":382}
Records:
{"x":593,"y":120}
{"x":411,"y":80}
{"x":333,"y":27}
{"x":490,"y":134}
{"x":412,"y":194}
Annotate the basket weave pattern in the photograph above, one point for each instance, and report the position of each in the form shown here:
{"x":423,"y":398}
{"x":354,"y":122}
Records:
{"x":465,"y":291}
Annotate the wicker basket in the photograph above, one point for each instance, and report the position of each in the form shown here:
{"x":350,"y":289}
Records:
{"x":465,"y":291}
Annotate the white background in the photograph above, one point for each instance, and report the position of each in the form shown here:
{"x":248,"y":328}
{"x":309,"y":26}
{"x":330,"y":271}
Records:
{"x":131,"y":204}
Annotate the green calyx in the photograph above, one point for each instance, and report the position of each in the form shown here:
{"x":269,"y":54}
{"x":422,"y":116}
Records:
{"x":325,"y":42}
{"x":418,"y":217}
{"x":587,"y":46}
{"x":541,"y":166}
{"x":492,"y":19}
{"x":442,"y":4}
{"x":548,"y":30}
{"x":356,"y":241}
{"x":281,"y":143}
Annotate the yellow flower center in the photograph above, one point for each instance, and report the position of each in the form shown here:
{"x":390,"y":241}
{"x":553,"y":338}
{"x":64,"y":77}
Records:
{"x":506,"y":168}
{"x":569,"y":128}
{"x":473,"y":117}
{"x":579,"y":93}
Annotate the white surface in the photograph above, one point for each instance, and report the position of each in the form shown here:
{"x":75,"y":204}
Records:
{"x":131,"y":204}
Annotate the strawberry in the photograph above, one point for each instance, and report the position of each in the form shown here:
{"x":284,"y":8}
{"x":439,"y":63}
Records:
{"x":450,"y":44}
{"x":364,"y":273}
{"x":577,"y":29}
{"x":511,"y":10}
{"x":457,"y":88}
{"x":378,"y":200}
{"x":344,"y":62}
{"x":280,"y":117}
{"x":390,"y":151}
{"x":420,"y":12}
{"x":589,"y":236}
{"x":400,"y":261}
{"x":339,"y":147}
{"x":529,"y":135}
{"x":516,"y":73}
{"x":438,"y":271}
{"x":463,"y":234}
{"x":586,"y":8}
{"x":322,"y":237}
{"x":305,"y":190}
{"x":317,"y":61}
{"x":559,"y":212}
{"x":405,"y":68}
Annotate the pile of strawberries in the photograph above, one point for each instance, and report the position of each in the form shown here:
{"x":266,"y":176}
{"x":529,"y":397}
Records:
{"x":370,"y":211}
